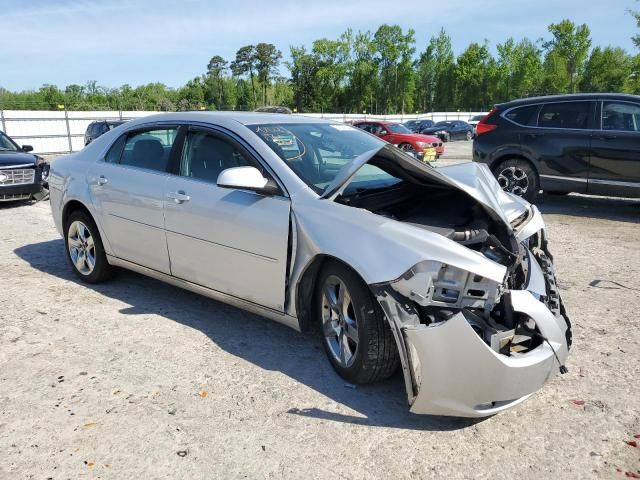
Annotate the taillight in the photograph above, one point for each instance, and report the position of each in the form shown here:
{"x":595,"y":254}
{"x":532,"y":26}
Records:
{"x":483,"y":127}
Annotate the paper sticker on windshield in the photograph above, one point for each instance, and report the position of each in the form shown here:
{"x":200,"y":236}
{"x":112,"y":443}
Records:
{"x":342,"y":128}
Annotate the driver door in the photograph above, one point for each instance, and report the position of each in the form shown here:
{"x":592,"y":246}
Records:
{"x":230,"y":240}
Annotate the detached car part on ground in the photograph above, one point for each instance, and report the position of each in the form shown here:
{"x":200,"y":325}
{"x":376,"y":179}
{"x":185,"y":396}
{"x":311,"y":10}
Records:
{"x":23,"y":175}
{"x":321,"y":226}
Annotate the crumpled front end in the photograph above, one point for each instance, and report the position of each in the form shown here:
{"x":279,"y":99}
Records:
{"x":471,"y":346}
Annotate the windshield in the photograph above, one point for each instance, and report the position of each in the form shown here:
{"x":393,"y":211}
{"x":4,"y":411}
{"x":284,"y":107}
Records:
{"x":477,"y":118}
{"x":397,"y":128}
{"x":6,"y":144}
{"x":316,"y":152}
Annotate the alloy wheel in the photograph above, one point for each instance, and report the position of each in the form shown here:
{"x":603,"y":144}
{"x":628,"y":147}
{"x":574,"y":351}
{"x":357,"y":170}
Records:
{"x":82,"y":249}
{"x":339,"y":324}
{"x":514,"y":180}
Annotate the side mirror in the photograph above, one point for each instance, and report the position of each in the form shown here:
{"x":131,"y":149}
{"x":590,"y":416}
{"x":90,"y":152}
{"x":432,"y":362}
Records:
{"x":27,"y":148}
{"x":247,"y":178}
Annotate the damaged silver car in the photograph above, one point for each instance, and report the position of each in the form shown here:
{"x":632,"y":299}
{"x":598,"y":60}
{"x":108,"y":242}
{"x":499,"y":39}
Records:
{"x":322,"y":226}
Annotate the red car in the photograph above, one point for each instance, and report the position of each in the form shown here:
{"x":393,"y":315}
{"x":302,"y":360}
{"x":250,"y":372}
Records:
{"x":401,"y":136}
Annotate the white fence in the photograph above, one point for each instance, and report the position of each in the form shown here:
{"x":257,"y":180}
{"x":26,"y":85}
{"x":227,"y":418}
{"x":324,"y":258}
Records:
{"x":56,"y":132}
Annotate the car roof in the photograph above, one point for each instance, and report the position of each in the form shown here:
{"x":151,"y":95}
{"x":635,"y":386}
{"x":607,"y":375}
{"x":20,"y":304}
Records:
{"x":244,"y":118}
{"x":569,"y":97}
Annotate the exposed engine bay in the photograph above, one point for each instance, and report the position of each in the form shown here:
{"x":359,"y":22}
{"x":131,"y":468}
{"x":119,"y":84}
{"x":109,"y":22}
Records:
{"x":432,"y":293}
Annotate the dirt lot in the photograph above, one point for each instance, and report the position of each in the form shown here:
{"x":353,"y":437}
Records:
{"x":135,"y":378}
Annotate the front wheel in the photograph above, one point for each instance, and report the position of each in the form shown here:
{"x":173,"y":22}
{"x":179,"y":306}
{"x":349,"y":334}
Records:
{"x":355,"y":332}
{"x":406,"y":147}
{"x":85,"y":251}
{"x":469,"y":136}
{"x":518,"y":177}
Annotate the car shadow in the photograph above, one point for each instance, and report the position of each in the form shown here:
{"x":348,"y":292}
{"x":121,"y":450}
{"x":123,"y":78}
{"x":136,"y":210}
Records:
{"x":264,"y":343}
{"x":576,"y":205}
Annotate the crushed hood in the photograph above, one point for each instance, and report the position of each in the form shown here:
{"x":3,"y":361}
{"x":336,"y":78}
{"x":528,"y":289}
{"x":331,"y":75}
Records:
{"x":474,"y":179}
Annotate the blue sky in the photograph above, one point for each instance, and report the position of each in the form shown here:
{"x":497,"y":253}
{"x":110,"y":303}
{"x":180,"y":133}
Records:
{"x":141,"y":41}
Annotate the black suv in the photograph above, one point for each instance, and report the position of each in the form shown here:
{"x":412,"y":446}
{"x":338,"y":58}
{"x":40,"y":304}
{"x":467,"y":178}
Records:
{"x":99,"y":127}
{"x":585,"y":143}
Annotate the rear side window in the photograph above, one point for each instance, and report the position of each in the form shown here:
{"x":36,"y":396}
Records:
{"x":149,"y":149}
{"x":564,"y":115}
{"x":523,"y":115}
{"x":621,"y":116}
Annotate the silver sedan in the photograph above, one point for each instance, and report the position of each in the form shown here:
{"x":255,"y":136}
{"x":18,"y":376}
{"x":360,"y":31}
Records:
{"x":322,"y":226}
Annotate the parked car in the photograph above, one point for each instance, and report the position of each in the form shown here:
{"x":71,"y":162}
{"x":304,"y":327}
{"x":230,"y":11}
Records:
{"x":99,"y":127}
{"x":405,"y":139}
{"x":416,"y":125}
{"x":274,"y":109}
{"x":394,"y":262}
{"x":22,"y":174}
{"x":450,"y":130}
{"x":585,"y":143}
{"x":473,"y":121}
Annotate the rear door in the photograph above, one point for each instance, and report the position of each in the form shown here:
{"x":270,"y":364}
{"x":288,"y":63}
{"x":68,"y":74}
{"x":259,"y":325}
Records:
{"x":615,"y":162}
{"x":559,"y":143}
{"x":230,"y":240}
{"x":128,"y":189}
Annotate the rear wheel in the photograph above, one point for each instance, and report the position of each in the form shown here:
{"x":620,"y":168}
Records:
{"x":355,"y":332}
{"x":469,"y":136}
{"x":85,"y":251}
{"x":518,"y":177}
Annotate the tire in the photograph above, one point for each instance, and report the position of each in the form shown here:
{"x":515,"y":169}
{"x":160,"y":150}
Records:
{"x":469,"y":136}
{"x":406,"y":147}
{"x":446,"y":138}
{"x":374,"y":356}
{"x":82,"y":241}
{"x":518,"y":176}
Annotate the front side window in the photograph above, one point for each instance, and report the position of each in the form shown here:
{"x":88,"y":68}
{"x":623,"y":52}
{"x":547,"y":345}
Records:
{"x":621,"y":116}
{"x":6,"y":144}
{"x":572,"y":115}
{"x":149,"y":149}
{"x":317,"y":151}
{"x":205,"y":155}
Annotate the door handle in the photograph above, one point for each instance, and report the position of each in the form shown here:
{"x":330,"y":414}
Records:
{"x":179,"y":196}
{"x":606,"y":137}
{"x":102,"y":180}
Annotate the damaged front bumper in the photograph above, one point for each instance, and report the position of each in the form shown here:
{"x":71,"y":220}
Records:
{"x":464,"y":365}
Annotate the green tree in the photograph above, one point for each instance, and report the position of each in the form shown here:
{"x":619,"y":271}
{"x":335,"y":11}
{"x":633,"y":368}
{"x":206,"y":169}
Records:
{"x":306,"y":89}
{"x":474,"y":70}
{"x":246,"y":62}
{"x":607,"y":70}
{"x":362,"y":82}
{"x":436,"y":74}
{"x":571,"y":43}
{"x":267,"y":61}
{"x":394,"y":50}
{"x":216,"y":69}
{"x":332,"y":61}
{"x":555,"y":78}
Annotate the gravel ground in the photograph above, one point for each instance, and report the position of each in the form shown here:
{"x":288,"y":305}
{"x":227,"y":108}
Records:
{"x":135,"y":378}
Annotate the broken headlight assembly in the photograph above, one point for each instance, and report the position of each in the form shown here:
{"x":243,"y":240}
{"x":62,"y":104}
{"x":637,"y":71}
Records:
{"x":438,"y":291}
